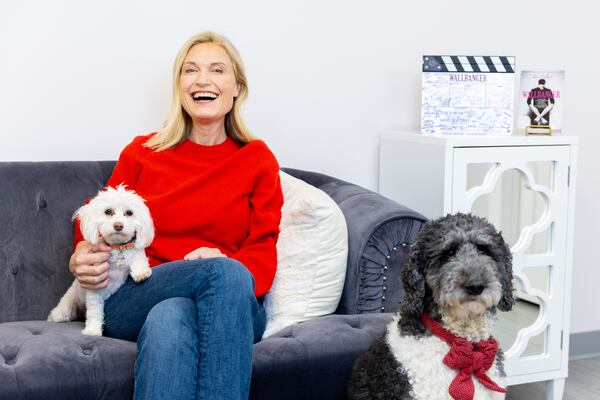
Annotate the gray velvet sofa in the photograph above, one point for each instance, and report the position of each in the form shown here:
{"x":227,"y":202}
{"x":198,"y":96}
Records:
{"x":310,"y":360}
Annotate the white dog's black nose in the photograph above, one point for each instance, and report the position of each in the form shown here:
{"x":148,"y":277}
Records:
{"x":118,"y":226}
{"x":475,"y":290}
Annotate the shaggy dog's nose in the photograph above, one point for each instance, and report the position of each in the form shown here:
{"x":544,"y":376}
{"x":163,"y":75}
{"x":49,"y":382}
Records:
{"x":475,"y":290}
{"x":118,"y":226}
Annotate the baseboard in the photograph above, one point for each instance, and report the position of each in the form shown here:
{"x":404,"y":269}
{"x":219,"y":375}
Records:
{"x":584,"y":345}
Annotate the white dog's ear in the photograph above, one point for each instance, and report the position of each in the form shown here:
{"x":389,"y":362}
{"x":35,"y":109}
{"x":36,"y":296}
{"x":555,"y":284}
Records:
{"x":88,"y":225}
{"x":145,"y":232}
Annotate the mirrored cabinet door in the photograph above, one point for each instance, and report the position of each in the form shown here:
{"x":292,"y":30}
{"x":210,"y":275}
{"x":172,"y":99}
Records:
{"x":522,"y":191}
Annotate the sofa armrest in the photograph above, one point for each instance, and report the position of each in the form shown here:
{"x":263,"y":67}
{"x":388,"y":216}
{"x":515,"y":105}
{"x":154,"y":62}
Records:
{"x":380,"y":232}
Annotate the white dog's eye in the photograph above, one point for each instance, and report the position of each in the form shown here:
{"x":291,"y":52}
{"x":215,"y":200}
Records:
{"x":109,"y":212}
{"x":129,"y":213}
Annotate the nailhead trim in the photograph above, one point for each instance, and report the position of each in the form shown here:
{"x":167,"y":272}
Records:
{"x":385,"y":269}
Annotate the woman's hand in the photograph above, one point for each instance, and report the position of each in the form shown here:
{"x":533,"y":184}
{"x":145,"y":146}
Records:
{"x":89,"y":264}
{"x":204,"y":252}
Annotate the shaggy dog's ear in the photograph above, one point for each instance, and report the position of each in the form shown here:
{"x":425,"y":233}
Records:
{"x":413,"y":303}
{"x":508,"y":299}
{"x":88,"y":224}
{"x":145,"y":231}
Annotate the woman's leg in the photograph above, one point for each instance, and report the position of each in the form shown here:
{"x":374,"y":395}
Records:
{"x":228,"y":321}
{"x":165,"y":367}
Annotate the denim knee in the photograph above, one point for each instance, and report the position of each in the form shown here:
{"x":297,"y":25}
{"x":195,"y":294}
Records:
{"x":231,"y":278}
{"x":177,"y":312}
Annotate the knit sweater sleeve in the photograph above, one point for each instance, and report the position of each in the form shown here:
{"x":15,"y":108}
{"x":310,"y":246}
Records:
{"x":126,"y":171}
{"x":258,"y":252}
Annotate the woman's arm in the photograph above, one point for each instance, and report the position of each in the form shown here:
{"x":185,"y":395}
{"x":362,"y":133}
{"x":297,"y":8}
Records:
{"x":258,"y":252}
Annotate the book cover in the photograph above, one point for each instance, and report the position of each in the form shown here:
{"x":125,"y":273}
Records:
{"x":541,"y":100}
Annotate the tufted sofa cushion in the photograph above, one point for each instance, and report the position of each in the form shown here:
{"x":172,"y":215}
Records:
{"x":62,"y":361}
{"x":313,"y":359}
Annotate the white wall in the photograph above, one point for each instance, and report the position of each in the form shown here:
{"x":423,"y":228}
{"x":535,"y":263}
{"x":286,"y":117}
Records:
{"x":79,"y":79}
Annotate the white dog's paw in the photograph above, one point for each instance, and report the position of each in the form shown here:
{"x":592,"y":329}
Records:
{"x":57,"y":315}
{"x":92,"y":331}
{"x":141,"y":274}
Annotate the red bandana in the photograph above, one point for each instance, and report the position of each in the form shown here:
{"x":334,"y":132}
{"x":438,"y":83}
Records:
{"x":467,"y":357}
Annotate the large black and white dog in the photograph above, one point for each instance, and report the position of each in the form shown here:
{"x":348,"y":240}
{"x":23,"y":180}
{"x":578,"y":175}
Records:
{"x":440,"y":346}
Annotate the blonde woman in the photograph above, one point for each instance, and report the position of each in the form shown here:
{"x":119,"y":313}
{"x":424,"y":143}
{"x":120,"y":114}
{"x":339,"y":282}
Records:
{"x":215,"y":197}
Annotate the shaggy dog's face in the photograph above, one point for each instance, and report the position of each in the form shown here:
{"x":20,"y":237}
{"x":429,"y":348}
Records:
{"x":461,"y":266}
{"x":464,"y":273}
{"x":118,"y":216}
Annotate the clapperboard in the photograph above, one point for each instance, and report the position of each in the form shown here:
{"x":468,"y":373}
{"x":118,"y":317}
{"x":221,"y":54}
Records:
{"x":467,"y":95}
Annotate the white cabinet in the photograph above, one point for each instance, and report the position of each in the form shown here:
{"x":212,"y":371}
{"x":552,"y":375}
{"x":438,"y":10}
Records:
{"x":526,"y":187}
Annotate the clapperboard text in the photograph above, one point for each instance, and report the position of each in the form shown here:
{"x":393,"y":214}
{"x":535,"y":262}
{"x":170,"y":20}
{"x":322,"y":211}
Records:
{"x":468,"y":78}
{"x":471,"y":95}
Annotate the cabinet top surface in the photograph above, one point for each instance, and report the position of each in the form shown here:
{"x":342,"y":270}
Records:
{"x":479,"y":140}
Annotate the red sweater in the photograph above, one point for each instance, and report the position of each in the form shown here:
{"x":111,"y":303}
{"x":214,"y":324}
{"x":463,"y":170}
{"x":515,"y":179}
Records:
{"x":224,"y":196}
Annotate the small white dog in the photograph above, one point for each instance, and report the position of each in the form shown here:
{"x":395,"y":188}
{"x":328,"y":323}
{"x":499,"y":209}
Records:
{"x":120,"y":218}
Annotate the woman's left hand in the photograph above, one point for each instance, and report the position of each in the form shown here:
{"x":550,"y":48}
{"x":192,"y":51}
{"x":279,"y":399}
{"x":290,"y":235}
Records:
{"x":204,"y":252}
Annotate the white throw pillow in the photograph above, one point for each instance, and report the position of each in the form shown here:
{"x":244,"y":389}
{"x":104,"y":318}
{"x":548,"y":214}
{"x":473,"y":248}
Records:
{"x":312,"y":252}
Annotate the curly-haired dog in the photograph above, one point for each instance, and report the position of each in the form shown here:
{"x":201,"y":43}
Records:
{"x":440,"y":346}
{"x":120,"y":218}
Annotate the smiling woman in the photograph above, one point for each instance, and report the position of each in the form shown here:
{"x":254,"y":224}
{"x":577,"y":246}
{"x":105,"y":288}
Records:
{"x":207,"y":88}
{"x":215,"y":198}
{"x":207,"y":65}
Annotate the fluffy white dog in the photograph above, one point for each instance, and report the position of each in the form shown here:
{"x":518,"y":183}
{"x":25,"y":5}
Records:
{"x":121,"y":219}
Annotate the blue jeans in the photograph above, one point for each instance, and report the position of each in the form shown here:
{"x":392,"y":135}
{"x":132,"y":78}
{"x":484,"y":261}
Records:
{"x":195,"y":323}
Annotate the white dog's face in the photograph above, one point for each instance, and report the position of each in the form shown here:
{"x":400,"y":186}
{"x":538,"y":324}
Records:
{"x":117,"y":216}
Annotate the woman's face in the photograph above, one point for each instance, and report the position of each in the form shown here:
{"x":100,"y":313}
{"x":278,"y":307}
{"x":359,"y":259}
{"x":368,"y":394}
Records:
{"x":207,"y":85}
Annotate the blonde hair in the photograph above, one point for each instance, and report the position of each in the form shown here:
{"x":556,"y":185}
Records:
{"x":179,"y":123}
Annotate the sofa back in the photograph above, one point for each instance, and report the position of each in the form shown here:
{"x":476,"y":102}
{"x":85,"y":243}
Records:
{"x":37,"y":200}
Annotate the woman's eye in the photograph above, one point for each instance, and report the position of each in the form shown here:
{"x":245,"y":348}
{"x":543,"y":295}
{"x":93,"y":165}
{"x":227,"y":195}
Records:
{"x":218,"y":70}
{"x":189,"y":70}
{"x":129,"y":213}
{"x":109,"y":211}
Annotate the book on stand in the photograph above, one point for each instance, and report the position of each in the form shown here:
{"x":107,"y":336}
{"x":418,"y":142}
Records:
{"x":541,"y":102}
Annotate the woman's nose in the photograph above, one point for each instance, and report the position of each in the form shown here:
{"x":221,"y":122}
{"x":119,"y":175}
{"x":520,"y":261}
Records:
{"x":202,"y":78}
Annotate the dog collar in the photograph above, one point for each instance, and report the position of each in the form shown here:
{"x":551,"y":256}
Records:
{"x":468,"y":358}
{"x":120,"y":247}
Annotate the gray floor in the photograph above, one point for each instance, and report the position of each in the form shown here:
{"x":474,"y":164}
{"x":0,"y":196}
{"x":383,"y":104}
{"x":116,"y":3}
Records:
{"x":583,"y":383}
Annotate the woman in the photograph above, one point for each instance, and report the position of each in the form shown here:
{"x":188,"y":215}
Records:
{"x":215,"y":197}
